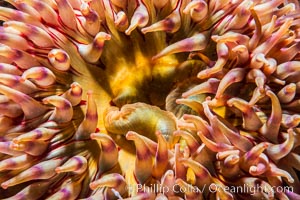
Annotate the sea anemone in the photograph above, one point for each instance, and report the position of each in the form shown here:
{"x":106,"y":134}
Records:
{"x":149,"y":99}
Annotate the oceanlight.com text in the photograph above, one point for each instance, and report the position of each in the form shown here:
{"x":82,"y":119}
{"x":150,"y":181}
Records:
{"x":212,"y":188}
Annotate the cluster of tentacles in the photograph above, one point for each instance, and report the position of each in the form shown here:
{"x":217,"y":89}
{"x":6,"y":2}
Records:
{"x":149,"y":99}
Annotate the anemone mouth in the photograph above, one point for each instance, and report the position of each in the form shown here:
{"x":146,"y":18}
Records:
{"x":192,"y":94}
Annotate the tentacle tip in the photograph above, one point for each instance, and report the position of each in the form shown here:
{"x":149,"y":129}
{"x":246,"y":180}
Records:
{"x":127,"y":32}
{"x":184,"y":95}
{"x":45,"y":101}
{"x":144,"y":30}
{"x":93,"y":136}
{"x":58,"y":170}
{"x":290,"y":131}
{"x":185,"y":11}
{"x":266,"y":145}
{"x":178,"y":101}
{"x":130,"y":29}
{"x":292,"y":180}
{"x":185,"y":116}
{"x":176,"y":133}
{"x":154,"y":58}
{"x":229,"y":103}
{"x":208,"y":98}
{"x":16,"y":140}
{"x":4,"y":186}
{"x":199,"y":133}
{"x":107,"y":37}
{"x":215,"y":38}
{"x":93,"y":186}
{"x":201,"y":75}
{"x":22,"y":80}
{"x":182,"y":160}
{"x":90,"y":92}
{"x":51,"y":55}
{"x":130,"y":135}
{"x":178,"y":180}
{"x":74,"y":85}
{"x":14,"y":146}
{"x":158,"y":133}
